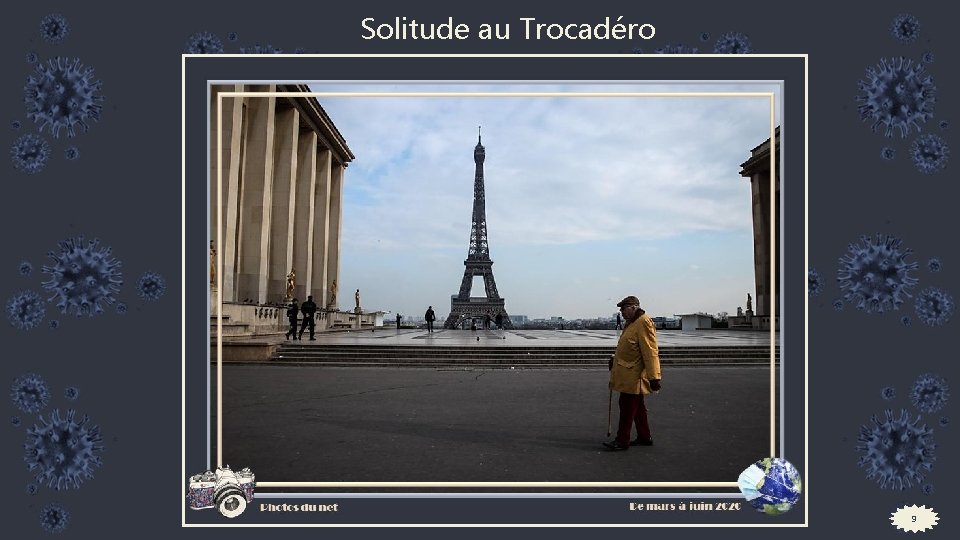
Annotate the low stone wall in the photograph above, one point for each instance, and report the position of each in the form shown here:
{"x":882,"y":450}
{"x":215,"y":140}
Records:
{"x":247,"y":351}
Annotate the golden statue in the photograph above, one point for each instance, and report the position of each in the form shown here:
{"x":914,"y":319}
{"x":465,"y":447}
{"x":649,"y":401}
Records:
{"x":213,"y":264}
{"x":291,"y":283}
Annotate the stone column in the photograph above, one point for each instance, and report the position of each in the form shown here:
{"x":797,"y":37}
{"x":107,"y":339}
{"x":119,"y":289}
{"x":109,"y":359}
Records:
{"x":286,"y":146}
{"x":304,"y":212}
{"x":231,"y":141}
{"x":321,"y":227}
{"x":256,"y":197}
{"x":333,"y":239}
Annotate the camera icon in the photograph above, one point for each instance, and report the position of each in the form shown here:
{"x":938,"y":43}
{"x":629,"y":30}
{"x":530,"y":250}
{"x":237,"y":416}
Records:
{"x":224,"y":489}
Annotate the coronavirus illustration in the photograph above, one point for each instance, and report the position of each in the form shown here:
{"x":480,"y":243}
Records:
{"x":232,"y":36}
{"x":934,"y":306}
{"x":62,"y":452}
{"x":838,"y":304}
{"x":930,"y":393}
{"x":15,"y":421}
{"x":944,"y":421}
{"x":897,"y":94}
{"x":944,"y":124}
{"x":32,"y":57}
{"x":814,"y":282}
{"x":62,"y":95}
{"x":121,"y":308}
{"x":906,"y":320}
{"x":30,"y":153}
{"x":875,"y":274}
{"x":25,"y":268}
{"x":26,"y":310}
{"x":704,"y":36}
{"x":29,"y":393}
{"x":32,"y":489}
{"x":888,"y":153}
{"x":54,"y":324}
{"x":54,"y":518}
{"x":905,"y":27}
{"x":151,"y":286}
{"x":679,"y":48}
{"x":934,"y":264}
{"x":732,"y":43}
{"x":928,"y":57}
{"x":203,"y":43}
{"x":72,"y":153}
{"x":888,"y":393}
{"x":927,"y":489}
{"x":929,"y":153}
{"x":71,"y":393}
{"x":898,"y":452}
{"x":83,"y":277}
{"x":54,"y":28}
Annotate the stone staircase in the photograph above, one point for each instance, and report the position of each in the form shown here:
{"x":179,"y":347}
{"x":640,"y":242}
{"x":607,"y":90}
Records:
{"x":504,"y":356}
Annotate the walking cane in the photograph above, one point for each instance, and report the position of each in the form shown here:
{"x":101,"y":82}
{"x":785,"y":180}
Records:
{"x":609,"y":412}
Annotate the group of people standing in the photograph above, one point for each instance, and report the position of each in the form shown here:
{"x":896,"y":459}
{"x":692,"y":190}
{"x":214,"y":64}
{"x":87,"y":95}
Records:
{"x":309,"y":310}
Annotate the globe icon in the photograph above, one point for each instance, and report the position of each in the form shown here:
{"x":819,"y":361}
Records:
{"x":772,"y":485}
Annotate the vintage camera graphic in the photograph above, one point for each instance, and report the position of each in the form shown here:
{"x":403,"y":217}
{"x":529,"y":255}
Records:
{"x":224,"y":489}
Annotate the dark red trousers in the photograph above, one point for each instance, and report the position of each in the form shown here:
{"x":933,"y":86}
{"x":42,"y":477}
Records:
{"x":632,"y":412}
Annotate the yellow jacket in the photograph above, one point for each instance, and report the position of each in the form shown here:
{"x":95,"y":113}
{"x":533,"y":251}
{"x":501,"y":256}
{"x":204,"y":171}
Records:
{"x":637,"y":359}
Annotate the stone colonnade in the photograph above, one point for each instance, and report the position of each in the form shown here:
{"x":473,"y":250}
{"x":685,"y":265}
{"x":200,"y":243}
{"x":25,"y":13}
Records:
{"x":281,"y":164}
{"x":757,"y":169}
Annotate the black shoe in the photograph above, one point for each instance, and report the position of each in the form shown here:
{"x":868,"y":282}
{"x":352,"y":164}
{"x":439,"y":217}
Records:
{"x":641,"y":442}
{"x":615,"y":446}
{"x":313,"y":339}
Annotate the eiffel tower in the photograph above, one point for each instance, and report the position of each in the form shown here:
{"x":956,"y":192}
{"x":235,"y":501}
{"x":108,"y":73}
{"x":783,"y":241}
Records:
{"x":463,"y":307}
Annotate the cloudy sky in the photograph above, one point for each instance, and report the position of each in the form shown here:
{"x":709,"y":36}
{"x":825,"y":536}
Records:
{"x":588,"y":199}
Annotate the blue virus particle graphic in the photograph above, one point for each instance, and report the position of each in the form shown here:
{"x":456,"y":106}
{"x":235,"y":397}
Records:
{"x":679,"y":48}
{"x":927,"y":489}
{"x":32,"y":489}
{"x":905,"y":28}
{"x":888,"y":393}
{"x":83,"y":277}
{"x":62,"y":94}
{"x":25,"y":310}
{"x":72,"y":153}
{"x":121,"y":308}
{"x":258,"y":49}
{"x":54,"y":324}
{"x":928,"y":57}
{"x":30,"y":153}
{"x":814,"y":282}
{"x":888,"y":153}
{"x":930,"y":393}
{"x":25,"y":268}
{"x":54,"y":518}
{"x":934,"y":306}
{"x":875,"y":274}
{"x":62,"y":452}
{"x":232,"y":36}
{"x":896,"y":451}
{"x":934,"y":265}
{"x":732,"y":43}
{"x":905,"y":320}
{"x":203,"y":43}
{"x":71,"y":393}
{"x":54,"y":28}
{"x":151,"y":286}
{"x":838,"y":304}
{"x":15,"y":125}
{"x":944,"y":421}
{"x":704,"y":36}
{"x":929,"y":153}
{"x":32,"y":57}
{"x":944,"y":124}
{"x":898,"y":94}
{"x":29,"y":393}
{"x":15,"y":421}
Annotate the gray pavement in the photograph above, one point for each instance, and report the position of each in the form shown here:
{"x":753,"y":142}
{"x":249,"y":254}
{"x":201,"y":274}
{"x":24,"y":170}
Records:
{"x":328,"y":424}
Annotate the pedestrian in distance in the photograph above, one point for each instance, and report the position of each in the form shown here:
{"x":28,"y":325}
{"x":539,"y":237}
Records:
{"x":619,"y":321}
{"x":308,"y":308}
{"x":634,"y":371}
{"x":292,"y":313}
{"x":430,"y":316}
{"x":499,"y":321}
{"x":399,"y":318}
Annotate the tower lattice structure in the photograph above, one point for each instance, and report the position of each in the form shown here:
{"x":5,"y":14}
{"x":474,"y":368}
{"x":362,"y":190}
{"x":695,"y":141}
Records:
{"x":463,"y":307}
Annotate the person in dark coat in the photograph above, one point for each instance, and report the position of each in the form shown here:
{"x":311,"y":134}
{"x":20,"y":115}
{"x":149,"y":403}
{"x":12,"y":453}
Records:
{"x":292,"y":313}
{"x":308,"y":308}
{"x":398,"y":321}
{"x":430,"y":316}
{"x":499,"y":321}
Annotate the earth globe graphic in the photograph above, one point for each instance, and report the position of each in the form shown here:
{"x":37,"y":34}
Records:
{"x":772,"y":485}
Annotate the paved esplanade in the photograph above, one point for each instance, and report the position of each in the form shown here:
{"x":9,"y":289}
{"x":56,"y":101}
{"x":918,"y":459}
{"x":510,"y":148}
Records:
{"x":391,"y":424}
